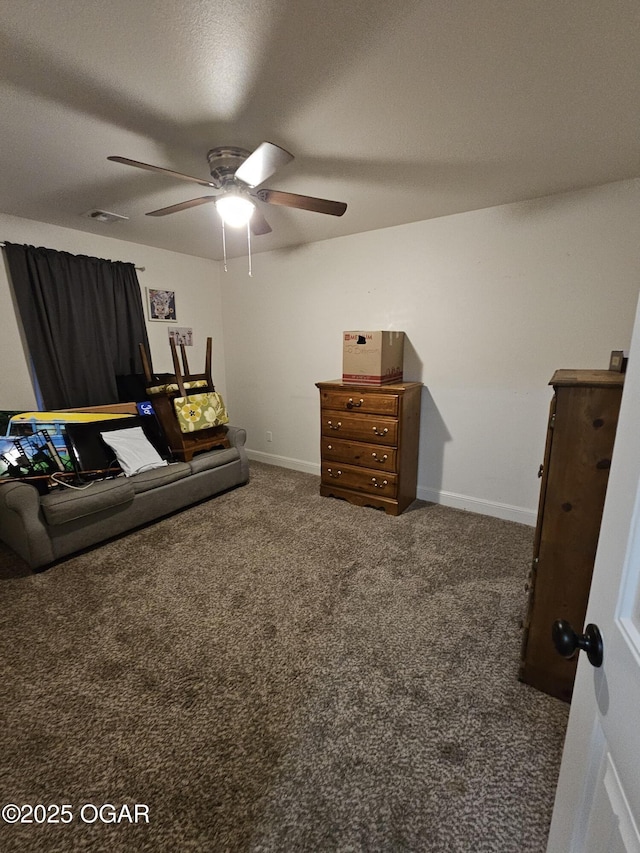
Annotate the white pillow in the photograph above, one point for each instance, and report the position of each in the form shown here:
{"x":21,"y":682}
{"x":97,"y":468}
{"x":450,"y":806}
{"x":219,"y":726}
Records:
{"x":133,"y":450}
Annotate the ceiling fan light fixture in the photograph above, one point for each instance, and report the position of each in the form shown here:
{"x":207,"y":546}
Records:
{"x":235,"y":210}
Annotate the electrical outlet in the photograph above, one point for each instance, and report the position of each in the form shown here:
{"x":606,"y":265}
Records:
{"x":269,"y":435}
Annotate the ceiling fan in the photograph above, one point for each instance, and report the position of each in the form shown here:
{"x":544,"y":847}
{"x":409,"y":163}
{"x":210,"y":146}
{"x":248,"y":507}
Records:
{"x":236,"y":174}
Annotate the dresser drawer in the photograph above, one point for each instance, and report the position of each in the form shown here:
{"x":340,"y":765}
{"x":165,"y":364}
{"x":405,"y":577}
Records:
{"x":376,"y":430}
{"x":377,"y":483}
{"x":359,"y":453}
{"x":359,"y":401}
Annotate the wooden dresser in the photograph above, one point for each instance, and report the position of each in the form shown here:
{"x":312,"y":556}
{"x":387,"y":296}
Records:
{"x":369,"y":443}
{"x":580,"y":435}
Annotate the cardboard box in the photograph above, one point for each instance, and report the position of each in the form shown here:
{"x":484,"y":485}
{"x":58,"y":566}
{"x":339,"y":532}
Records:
{"x":372,"y":358}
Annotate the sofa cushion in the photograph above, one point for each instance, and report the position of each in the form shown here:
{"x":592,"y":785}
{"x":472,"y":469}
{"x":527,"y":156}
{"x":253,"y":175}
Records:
{"x":68,"y":504}
{"x":159,"y":476}
{"x":213,"y":459}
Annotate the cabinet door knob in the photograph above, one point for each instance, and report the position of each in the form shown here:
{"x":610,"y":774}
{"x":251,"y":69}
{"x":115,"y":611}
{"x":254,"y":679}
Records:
{"x":382,"y":459}
{"x":352,"y":405}
{"x":378,"y":485}
{"x":540,"y":470}
{"x":331,"y":474}
{"x":334,"y":426}
{"x":378,"y":432}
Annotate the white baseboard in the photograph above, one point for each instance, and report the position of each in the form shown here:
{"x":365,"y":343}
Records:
{"x":483,"y":507}
{"x":284,"y":462}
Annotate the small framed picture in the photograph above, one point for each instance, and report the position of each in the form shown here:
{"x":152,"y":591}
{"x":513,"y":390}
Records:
{"x":181,"y":335}
{"x":161,"y":305}
{"x":618,"y":360}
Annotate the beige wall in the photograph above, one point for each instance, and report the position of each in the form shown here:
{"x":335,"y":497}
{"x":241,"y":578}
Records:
{"x":492,"y":301}
{"x":196,"y":282}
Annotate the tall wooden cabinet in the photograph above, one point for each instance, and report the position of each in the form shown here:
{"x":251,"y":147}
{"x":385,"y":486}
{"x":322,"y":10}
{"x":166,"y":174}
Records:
{"x":580,"y":437}
{"x":369,"y":443}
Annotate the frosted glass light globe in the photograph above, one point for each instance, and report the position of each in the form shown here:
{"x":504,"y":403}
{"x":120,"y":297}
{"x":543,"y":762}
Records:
{"x":234,"y":210}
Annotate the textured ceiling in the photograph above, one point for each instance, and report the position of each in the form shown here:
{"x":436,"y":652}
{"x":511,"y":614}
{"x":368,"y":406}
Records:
{"x":406,"y":110}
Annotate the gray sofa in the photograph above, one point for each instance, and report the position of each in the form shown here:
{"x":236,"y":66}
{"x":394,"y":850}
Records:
{"x":45,"y":528}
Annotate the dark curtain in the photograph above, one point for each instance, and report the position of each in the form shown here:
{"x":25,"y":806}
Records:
{"x":83,"y":320}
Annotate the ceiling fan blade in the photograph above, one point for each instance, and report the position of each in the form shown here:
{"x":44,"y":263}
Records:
{"x":162,"y":171}
{"x":183,"y":205}
{"x":265,"y":160}
{"x":259,"y":224}
{"x":302,"y":202}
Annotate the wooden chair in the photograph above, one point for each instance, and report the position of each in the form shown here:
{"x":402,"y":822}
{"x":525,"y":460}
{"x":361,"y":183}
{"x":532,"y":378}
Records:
{"x":183,"y":386}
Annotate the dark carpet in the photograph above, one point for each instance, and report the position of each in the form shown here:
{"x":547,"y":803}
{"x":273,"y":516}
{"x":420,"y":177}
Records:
{"x":276,"y":671}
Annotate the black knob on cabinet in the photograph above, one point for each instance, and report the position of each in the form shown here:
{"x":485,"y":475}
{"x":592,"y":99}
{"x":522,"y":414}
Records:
{"x":567,"y":642}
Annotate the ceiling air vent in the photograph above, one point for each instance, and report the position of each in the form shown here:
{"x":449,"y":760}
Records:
{"x":105,"y":216}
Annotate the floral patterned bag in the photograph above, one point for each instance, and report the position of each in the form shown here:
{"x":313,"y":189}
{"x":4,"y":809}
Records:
{"x":200,"y":411}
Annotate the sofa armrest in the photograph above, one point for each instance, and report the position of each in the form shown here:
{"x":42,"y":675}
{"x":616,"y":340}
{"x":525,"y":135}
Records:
{"x":22,"y":526}
{"x":237,"y":436}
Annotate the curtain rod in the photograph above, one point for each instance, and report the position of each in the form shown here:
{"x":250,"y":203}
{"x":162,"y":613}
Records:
{"x":140,"y":269}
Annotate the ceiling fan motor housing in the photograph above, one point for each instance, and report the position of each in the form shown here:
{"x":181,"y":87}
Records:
{"x":223,"y":163}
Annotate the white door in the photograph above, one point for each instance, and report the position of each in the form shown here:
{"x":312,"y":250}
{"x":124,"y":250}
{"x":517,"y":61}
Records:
{"x":597,"y":808}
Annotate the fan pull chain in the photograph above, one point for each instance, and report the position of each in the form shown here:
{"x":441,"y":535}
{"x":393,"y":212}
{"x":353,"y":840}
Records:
{"x":224,"y":247}
{"x":249,"y":247}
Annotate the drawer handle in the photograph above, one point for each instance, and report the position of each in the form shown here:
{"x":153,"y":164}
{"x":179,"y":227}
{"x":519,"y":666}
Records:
{"x":378,"y":485}
{"x":331,"y":474}
{"x":378,"y":432}
{"x":352,"y":405}
{"x":337,"y":426}
{"x":382,"y":460}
